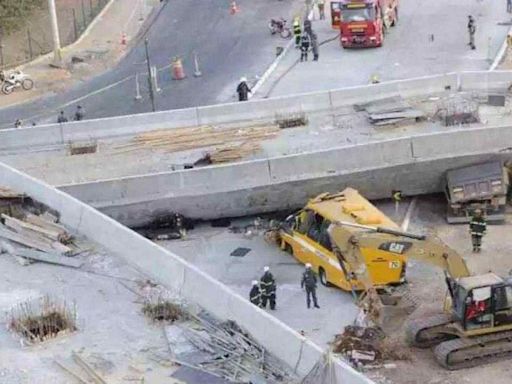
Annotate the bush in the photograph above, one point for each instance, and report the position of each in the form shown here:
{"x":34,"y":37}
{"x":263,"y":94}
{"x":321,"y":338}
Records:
{"x":13,"y":13}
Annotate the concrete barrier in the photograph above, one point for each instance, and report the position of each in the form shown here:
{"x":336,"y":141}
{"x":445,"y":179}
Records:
{"x":485,"y":80}
{"x":248,"y":111}
{"x":174,"y":272}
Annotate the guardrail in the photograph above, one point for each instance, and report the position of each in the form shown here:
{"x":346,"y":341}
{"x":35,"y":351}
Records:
{"x":265,"y":109}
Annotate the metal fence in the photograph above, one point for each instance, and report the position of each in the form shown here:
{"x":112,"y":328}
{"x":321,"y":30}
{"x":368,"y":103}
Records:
{"x":35,"y":37}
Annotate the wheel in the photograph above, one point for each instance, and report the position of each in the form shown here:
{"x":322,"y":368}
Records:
{"x":323,"y":277}
{"x":286,"y":33}
{"x":7,"y":88}
{"x":27,"y":84}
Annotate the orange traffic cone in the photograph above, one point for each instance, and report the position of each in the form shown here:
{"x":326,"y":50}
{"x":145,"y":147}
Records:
{"x":123,"y":38}
{"x":178,"y":73}
{"x":234,"y":7}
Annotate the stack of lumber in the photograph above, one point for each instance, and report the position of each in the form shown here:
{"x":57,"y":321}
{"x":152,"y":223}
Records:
{"x":182,"y":139}
{"x":391,"y":111}
{"x":38,"y":233}
{"x":7,"y":193}
{"x":233,"y":153}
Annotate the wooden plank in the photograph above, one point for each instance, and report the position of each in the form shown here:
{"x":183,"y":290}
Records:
{"x":44,"y":222}
{"x":52,"y":234}
{"x":72,"y":372}
{"x":50,"y":258}
{"x":31,"y":242}
{"x":87,"y":368}
{"x":408,"y":114}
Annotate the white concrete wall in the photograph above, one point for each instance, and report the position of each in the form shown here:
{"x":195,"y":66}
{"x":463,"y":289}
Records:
{"x":265,"y":109}
{"x":174,"y":272}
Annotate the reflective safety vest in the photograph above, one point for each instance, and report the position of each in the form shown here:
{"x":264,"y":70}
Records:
{"x":296,"y":27}
{"x":478,"y":226}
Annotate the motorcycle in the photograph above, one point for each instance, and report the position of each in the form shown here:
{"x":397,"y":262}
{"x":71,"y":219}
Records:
{"x":279,"y":26}
{"x":15,"y":80}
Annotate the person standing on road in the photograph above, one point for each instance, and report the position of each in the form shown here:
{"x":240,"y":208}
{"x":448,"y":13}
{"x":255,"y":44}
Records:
{"x":255,"y":294}
{"x":297,"y":31}
{"x":321,"y":8}
{"x":314,"y":46}
{"x":304,"y":47}
{"x":79,"y":114}
{"x":268,"y":289}
{"x":17,"y":123}
{"x":477,"y":228}
{"x":62,"y":118}
{"x":471,"y":31}
{"x":309,"y":282}
{"x":509,"y":6}
{"x":243,"y":90}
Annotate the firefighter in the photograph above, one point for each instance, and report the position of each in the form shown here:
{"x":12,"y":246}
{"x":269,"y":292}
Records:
{"x":477,"y":228}
{"x":255,"y":294}
{"x":309,"y":282}
{"x":304,"y":46}
{"x":243,"y":90}
{"x":79,"y":114}
{"x":297,"y":31}
{"x":62,"y":118}
{"x":268,"y":289}
{"x":314,"y":46}
{"x":471,"y":31}
{"x":321,"y":8}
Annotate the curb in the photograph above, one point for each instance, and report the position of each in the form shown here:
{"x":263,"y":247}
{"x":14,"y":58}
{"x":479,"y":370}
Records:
{"x":501,"y":53}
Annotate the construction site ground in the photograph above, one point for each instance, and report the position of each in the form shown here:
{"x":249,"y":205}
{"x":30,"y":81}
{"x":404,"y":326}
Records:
{"x":210,"y":247}
{"x":156,"y":151}
{"x":113,"y":335}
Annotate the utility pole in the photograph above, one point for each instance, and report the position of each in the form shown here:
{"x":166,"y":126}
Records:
{"x":57,"y":54}
{"x":150,"y":83}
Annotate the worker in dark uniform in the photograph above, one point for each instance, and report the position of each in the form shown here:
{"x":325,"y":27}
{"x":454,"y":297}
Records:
{"x":62,"y":118}
{"x":304,"y":46}
{"x":255,"y":294}
{"x":477,"y":228}
{"x":243,"y":90}
{"x":314,"y":46}
{"x":268,"y":289}
{"x":471,"y":31}
{"x":79,"y":114}
{"x":309,"y":282}
{"x":297,"y":31}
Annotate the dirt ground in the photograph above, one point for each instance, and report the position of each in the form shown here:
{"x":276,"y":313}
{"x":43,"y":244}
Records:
{"x":73,"y":17}
{"x":428,"y":284}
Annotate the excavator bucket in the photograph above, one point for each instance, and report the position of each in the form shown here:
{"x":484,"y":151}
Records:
{"x":388,"y":311}
{"x":394,"y":311}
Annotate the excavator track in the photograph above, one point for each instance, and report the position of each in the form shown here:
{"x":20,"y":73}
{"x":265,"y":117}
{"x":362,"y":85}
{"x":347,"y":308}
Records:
{"x":474,"y":351}
{"x":421,"y":333}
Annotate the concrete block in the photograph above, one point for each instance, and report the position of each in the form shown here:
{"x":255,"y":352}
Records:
{"x":428,"y":85}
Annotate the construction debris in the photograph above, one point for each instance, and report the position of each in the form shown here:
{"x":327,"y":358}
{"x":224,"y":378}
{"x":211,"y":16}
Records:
{"x":224,"y":350}
{"x":292,"y":120}
{"x":167,"y":226}
{"x":163,"y":310}
{"x":458,"y":111}
{"x":390,"y":111}
{"x":42,"y":320}
{"x":363,"y":345}
{"x":83,"y":148}
{"x":92,"y":375}
{"x":49,"y":258}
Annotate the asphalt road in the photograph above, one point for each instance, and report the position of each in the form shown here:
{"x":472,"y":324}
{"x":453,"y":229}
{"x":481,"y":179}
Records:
{"x":229,"y":46}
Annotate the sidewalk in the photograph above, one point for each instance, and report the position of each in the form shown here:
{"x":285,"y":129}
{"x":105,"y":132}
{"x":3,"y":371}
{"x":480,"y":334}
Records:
{"x":415,"y":47}
{"x":99,"y":47}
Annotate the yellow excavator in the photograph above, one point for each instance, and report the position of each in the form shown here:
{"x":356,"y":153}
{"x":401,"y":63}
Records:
{"x":476,"y":325}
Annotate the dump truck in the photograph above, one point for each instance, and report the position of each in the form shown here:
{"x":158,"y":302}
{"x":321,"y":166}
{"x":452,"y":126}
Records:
{"x":475,"y":326}
{"x":481,"y":186}
{"x":304,"y":235}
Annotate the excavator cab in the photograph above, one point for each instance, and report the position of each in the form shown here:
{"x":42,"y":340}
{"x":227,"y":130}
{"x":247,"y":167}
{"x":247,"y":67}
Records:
{"x":481,"y":302}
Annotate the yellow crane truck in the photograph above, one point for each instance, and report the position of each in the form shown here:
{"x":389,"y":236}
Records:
{"x":475,"y":327}
{"x":305,"y":236}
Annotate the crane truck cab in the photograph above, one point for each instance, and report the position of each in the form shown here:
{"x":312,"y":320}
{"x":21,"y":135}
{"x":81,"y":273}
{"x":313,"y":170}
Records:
{"x":363,"y":23}
{"x":305,"y":235}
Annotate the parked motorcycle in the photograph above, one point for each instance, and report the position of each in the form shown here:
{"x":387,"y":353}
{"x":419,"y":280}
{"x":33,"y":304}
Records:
{"x":279,"y":26}
{"x":15,"y":80}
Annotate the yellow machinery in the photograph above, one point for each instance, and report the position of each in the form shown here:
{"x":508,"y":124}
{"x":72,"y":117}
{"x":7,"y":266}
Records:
{"x":305,"y":235}
{"x":476,"y":326}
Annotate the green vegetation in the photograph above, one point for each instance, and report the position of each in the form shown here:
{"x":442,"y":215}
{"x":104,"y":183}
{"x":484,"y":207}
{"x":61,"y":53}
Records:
{"x":13,"y":13}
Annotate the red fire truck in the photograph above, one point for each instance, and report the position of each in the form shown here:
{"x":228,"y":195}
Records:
{"x":363,"y":23}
